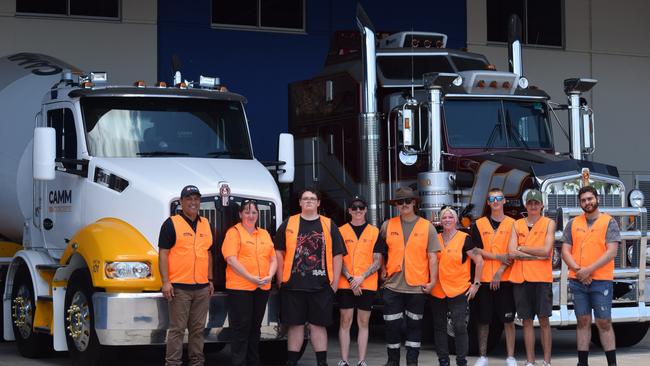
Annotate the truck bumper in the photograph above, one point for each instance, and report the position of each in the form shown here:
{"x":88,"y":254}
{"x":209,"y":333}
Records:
{"x":565,"y":317}
{"x":142,"y":319}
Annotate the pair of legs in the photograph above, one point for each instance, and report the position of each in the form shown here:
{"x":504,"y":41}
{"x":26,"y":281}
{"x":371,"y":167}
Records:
{"x":501,"y":303}
{"x":188,"y":309}
{"x":596,"y":296}
{"x":535,"y":299}
{"x":484,"y":332}
{"x":245,"y":314}
{"x":398,"y":305}
{"x":457,"y":308}
{"x":348,"y":301}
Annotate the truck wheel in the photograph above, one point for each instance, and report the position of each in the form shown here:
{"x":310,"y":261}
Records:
{"x":627,"y":334}
{"x":23,"y":308}
{"x":275,"y":352}
{"x":83,"y":346}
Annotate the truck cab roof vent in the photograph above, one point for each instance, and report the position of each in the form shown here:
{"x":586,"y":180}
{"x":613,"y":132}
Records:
{"x":414,"y":40}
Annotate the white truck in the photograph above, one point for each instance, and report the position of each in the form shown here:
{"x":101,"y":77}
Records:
{"x":88,"y":174}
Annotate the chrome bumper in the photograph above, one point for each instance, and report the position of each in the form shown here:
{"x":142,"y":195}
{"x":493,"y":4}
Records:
{"x":142,"y":318}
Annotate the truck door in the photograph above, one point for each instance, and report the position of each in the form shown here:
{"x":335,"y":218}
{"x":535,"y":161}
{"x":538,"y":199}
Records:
{"x":61,"y":198}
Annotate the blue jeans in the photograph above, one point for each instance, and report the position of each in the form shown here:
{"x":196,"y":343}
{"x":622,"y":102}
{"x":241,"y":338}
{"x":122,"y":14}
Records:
{"x":596,"y":296}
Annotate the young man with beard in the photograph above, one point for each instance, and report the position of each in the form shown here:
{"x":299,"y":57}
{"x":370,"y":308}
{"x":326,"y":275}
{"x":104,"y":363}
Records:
{"x":590,"y":243}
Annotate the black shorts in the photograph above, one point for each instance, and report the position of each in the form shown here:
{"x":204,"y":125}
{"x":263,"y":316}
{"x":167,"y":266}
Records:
{"x":313,"y":307}
{"x":347,"y":299}
{"x":533,"y":298}
{"x":500,"y":302}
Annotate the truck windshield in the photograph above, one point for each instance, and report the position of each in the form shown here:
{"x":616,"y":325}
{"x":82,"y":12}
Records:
{"x":497,"y":124}
{"x":121,"y":127}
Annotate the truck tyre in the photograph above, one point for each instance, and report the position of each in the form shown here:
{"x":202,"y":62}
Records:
{"x":83,"y":346}
{"x":23,"y":309}
{"x":275,"y":352}
{"x":627,"y":334}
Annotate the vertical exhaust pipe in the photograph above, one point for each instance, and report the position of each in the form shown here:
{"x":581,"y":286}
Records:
{"x":368,"y":117}
{"x":515,"y":63}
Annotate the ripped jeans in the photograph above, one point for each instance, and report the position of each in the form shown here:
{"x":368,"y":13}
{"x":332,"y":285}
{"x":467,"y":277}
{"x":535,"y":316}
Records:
{"x":596,"y":296}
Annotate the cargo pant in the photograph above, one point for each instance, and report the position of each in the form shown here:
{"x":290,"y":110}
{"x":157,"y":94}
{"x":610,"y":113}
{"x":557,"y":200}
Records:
{"x":398,"y":306}
{"x":457,"y":308}
{"x":188,"y":309}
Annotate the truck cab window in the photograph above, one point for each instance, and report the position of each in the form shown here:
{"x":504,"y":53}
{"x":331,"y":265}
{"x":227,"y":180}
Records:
{"x":62,"y":120}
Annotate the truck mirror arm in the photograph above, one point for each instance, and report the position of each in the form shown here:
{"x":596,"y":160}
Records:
{"x":73,"y":166}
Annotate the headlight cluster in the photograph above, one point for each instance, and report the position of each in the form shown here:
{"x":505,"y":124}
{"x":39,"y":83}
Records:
{"x":127,"y":270}
{"x":631,"y":253}
{"x":636,"y":198}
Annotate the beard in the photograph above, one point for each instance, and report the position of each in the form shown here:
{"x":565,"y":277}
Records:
{"x":590,"y":208}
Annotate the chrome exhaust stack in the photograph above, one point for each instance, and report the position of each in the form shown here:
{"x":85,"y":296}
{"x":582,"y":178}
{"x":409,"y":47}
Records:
{"x":515,"y":62}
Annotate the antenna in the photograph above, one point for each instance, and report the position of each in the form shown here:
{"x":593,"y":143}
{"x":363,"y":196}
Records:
{"x":176,"y":67}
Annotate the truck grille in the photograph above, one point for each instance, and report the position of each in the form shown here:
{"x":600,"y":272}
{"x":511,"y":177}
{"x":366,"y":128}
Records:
{"x":556,"y":200}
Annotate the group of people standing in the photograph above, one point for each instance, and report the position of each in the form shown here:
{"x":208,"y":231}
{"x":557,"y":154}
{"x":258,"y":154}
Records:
{"x":502,"y":267}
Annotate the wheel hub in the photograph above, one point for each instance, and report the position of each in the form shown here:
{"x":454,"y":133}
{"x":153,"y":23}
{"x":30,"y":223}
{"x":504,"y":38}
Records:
{"x":78,"y":317}
{"x":21,"y":312}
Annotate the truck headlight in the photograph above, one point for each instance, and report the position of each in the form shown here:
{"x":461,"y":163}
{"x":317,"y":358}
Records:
{"x":630,"y":254}
{"x":636,"y":198}
{"x":127,"y":270}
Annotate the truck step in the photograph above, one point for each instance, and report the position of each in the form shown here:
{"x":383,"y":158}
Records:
{"x":42,"y":330}
{"x":48,"y":267}
{"x":45,"y":298}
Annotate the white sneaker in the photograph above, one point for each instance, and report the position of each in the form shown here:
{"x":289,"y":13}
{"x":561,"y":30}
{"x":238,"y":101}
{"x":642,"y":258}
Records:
{"x":481,"y":361}
{"x":510,"y":361}
{"x":530,"y":364}
{"x":544,"y":363}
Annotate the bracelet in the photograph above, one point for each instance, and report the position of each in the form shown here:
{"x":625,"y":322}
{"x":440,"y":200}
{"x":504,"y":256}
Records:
{"x":350,"y":279}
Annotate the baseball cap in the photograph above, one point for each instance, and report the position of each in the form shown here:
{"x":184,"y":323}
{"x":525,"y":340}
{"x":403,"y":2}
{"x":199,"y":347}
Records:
{"x":358,"y":198}
{"x":533,"y":195}
{"x":190,"y":190}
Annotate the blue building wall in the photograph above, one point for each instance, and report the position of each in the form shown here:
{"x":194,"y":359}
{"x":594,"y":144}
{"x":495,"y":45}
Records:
{"x":260,"y":65}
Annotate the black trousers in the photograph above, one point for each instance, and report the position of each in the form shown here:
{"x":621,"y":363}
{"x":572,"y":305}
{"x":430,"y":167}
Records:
{"x":245,"y":314}
{"x":397,"y":307}
{"x":456,"y":307}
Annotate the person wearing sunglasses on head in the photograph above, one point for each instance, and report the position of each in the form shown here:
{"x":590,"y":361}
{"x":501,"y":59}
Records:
{"x":309,"y":248}
{"x":410,"y":272}
{"x":251,"y":264}
{"x":359,"y":279}
{"x":492,"y":235}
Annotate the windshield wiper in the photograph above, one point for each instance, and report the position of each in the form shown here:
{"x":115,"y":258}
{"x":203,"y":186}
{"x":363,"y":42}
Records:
{"x":230,"y":154}
{"x":514,"y":132}
{"x":162,"y":153}
{"x":493,"y":134}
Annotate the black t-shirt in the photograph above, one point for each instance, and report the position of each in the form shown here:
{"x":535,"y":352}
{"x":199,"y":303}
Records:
{"x":380,"y":244}
{"x":476,"y":235}
{"x":309,"y":267}
{"x":167,"y":237}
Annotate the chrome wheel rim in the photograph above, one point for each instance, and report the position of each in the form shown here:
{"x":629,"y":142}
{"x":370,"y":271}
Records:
{"x":78,"y":317}
{"x":22,"y":312}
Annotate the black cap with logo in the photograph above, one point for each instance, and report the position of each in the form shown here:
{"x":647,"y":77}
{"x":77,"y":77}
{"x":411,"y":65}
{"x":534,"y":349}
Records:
{"x":190,"y":190}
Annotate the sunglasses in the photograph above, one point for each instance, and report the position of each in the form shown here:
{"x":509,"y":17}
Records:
{"x":406,"y":201}
{"x":357,"y":207}
{"x":491,"y":199}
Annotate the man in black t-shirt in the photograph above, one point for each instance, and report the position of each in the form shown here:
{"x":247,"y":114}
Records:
{"x":309,"y":248}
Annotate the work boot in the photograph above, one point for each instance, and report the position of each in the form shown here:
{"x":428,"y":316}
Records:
{"x":412,"y":363}
{"x":443,"y":361}
{"x":392,"y":363}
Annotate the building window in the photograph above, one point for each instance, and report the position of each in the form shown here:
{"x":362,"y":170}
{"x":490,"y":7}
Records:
{"x":279,"y":15}
{"x":541,"y":21}
{"x":73,"y":8}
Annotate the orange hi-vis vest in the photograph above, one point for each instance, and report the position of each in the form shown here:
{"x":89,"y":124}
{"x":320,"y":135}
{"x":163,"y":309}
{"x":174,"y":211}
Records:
{"x":532,"y":270}
{"x":291,"y":237}
{"x":188,"y":258}
{"x":495,"y":242}
{"x":589,"y":244}
{"x":360,"y":255}
{"x":253,"y":251}
{"x":453,"y":274}
{"x":413,"y":254}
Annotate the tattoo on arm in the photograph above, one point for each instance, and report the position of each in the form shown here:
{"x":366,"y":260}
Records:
{"x":374,"y":266}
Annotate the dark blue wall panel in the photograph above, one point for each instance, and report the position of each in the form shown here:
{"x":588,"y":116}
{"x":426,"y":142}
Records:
{"x":260,"y":65}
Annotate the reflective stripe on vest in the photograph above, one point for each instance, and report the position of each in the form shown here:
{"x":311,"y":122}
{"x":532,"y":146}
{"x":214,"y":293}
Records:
{"x":413,"y":254}
{"x":188,"y":258}
{"x":495,"y":242}
{"x":291,"y":238}
{"x":589,"y":244}
{"x":254,"y":253}
{"x":532,"y":270}
{"x":360,"y":255}
{"x":453,"y":274}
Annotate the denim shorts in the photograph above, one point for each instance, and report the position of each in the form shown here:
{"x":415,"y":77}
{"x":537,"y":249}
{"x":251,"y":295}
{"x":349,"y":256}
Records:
{"x":596,"y":296}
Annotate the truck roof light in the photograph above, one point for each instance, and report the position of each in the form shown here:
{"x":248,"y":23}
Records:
{"x":223,"y":88}
{"x":161,"y":84}
{"x":493,"y":84}
{"x":99,"y":77}
{"x":415,"y":43}
{"x":506,"y":85}
{"x":481,"y":84}
{"x":490,"y":67}
{"x":208,"y":82}
{"x":139,"y":84}
{"x":87,"y":85}
{"x":427,"y":43}
{"x":181,"y":85}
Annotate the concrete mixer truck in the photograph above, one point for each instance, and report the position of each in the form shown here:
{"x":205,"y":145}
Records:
{"x":88,"y":172}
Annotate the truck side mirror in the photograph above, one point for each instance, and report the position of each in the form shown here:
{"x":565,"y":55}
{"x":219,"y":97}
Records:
{"x":588,"y":131}
{"x":44,"y":153}
{"x":287,"y":170}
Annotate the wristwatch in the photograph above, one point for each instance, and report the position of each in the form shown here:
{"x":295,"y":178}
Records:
{"x":519,"y":248}
{"x":350,"y":279}
{"x":477,"y":283}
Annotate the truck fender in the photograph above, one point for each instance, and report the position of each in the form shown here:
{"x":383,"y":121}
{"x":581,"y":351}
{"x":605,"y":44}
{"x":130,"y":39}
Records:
{"x":30,"y":259}
{"x":113,"y":240}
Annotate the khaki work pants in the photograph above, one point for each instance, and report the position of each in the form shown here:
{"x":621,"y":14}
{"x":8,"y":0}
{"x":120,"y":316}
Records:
{"x":188,"y":309}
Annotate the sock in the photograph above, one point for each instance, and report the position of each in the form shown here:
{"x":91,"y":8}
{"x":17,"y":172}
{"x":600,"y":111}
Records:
{"x":292,"y":357}
{"x":611,"y":357}
{"x":321,"y":357}
{"x":583,"y":358}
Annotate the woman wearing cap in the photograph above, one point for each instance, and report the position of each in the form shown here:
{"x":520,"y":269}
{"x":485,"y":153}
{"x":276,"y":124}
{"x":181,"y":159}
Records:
{"x":454,"y":287}
{"x":249,"y":252}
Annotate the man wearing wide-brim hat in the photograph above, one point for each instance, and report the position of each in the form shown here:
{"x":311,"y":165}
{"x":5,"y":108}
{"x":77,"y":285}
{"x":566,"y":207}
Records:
{"x":410,"y":272}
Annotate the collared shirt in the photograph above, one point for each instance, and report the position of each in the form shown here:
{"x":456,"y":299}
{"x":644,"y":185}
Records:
{"x":167,"y":236}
